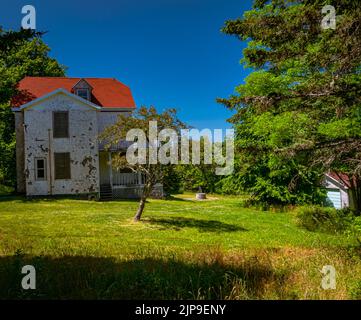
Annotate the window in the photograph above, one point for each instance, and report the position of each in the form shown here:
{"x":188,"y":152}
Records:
{"x":62,"y":165}
{"x":61,"y":124}
{"x":40,"y":169}
{"x":83,"y":93}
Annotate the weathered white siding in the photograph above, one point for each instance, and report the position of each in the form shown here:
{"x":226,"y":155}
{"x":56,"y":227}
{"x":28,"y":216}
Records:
{"x":82,"y":145}
{"x":108,"y":118}
{"x":332,"y":186}
{"x":19,"y":129}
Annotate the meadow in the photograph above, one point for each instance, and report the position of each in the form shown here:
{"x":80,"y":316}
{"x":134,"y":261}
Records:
{"x":182,"y":249}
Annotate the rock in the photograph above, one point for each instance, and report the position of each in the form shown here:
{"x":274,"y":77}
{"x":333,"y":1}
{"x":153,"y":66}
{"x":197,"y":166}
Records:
{"x":201,"y":196}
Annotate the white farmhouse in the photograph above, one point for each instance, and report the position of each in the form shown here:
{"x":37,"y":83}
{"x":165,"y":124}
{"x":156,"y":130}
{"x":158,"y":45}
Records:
{"x":58,"y":121}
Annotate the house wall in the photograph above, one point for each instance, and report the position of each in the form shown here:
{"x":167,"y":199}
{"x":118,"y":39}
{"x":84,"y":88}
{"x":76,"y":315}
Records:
{"x":19,"y":130}
{"x":107,"y":118}
{"x":82,"y":145}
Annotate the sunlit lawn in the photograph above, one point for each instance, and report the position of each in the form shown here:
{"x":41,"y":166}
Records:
{"x":106,"y":228}
{"x":182,"y":233}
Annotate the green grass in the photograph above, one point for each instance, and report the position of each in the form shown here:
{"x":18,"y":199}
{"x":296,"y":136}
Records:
{"x":181,"y":249}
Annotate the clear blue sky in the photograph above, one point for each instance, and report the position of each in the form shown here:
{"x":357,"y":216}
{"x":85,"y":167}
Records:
{"x":170,"y":52}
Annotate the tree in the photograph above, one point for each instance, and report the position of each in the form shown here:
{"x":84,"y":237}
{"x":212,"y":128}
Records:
{"x":299,"y":112}
{"x":199,"y":174}
{"x":22,"y":53}
{"x":153,"y":150}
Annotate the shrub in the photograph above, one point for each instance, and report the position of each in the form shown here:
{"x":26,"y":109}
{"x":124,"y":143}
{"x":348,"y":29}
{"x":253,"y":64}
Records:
{"x":329,"y":220}
{"x":354,"y":231}
{"x":355,"y":291}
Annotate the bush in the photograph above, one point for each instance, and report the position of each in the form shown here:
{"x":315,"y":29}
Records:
{"x":329,"y":220}
{"x":355,"y":291}
{"x":172,"y":181}
{"x":355,"y":231}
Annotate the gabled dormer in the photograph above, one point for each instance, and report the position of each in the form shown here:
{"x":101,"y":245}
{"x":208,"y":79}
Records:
{"x":83,"y":89}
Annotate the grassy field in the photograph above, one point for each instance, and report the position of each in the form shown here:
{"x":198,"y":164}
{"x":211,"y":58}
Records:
{"x":182,"y":249}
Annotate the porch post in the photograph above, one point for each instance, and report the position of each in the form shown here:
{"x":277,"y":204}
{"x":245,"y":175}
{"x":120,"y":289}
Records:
{"x":139,"y":178}
{"x":110,"y":169}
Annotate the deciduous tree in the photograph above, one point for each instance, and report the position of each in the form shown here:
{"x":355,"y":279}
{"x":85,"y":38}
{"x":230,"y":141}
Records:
{"x":152,"y":169}
{"x":22,"y":53}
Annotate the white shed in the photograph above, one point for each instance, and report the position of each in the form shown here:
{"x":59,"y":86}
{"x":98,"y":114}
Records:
{"x":337,"y":191}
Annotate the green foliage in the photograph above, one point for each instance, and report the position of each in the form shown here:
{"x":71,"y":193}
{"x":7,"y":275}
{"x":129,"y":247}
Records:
{"x":22,"y":53}
{"x":230,"y":185}
{"x":355,"y":291}
{"x":327,"y":220}
{"x":355,"y":229}
{"x":298,"y":113}
{"x":199,"y":176}
{"x":5,"y":191}
{"x":172,"y":180}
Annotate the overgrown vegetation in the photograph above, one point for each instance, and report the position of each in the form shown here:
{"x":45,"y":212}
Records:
{"x":322,"y":219}
{"x":22,"y":53}
{"x":298,"y":113}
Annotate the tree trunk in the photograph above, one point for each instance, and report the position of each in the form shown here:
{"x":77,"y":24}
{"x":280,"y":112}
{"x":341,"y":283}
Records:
{"x":146,"y":192}
{"x":357,"y":197}
{"x":356,"y":193}
{"x":140,"y":209}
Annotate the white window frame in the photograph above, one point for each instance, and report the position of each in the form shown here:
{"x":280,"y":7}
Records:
{"x":37,"y":169}
{"x":87,"y":93}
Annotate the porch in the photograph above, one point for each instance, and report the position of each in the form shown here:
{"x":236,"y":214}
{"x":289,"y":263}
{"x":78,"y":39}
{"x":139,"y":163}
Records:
{"x":121,"y":184}
{"x":118,"y":183}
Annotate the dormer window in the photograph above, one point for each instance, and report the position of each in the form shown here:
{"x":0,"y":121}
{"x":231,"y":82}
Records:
{"x":83,"y":89}
{"x":83,"y":93}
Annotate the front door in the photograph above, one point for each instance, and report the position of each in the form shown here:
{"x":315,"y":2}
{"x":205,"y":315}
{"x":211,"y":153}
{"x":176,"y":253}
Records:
{"x":104,"y":165}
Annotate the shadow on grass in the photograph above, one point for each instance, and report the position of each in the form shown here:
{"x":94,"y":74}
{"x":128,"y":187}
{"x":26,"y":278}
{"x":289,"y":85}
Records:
{"x":37,"y":199}
{"x":80,"y":277}
{"x":136,"y":200}
{"x":6,"y":198}
{"x":178,"y":223}
{"x":175,"y":198}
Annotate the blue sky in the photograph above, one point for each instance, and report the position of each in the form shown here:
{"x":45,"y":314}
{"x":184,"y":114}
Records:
{"x":170,"y":52}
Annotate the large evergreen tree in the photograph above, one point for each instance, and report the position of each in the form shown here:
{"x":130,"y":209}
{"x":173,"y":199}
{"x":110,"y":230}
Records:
{"x":22,"y":53}
{"x":299,"y":112}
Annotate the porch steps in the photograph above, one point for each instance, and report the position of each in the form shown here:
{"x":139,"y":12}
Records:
{"x":106,"y":192}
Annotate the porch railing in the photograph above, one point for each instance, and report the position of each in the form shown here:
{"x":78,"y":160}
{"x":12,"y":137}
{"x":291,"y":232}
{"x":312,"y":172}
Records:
{"x":124,"y":179}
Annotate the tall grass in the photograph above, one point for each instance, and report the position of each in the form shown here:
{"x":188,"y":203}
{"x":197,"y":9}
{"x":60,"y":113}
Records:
{"x":214,"y":274}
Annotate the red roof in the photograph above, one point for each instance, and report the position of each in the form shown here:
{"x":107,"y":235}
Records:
{"x":342,"y":178}
{"x":107,"y":92}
